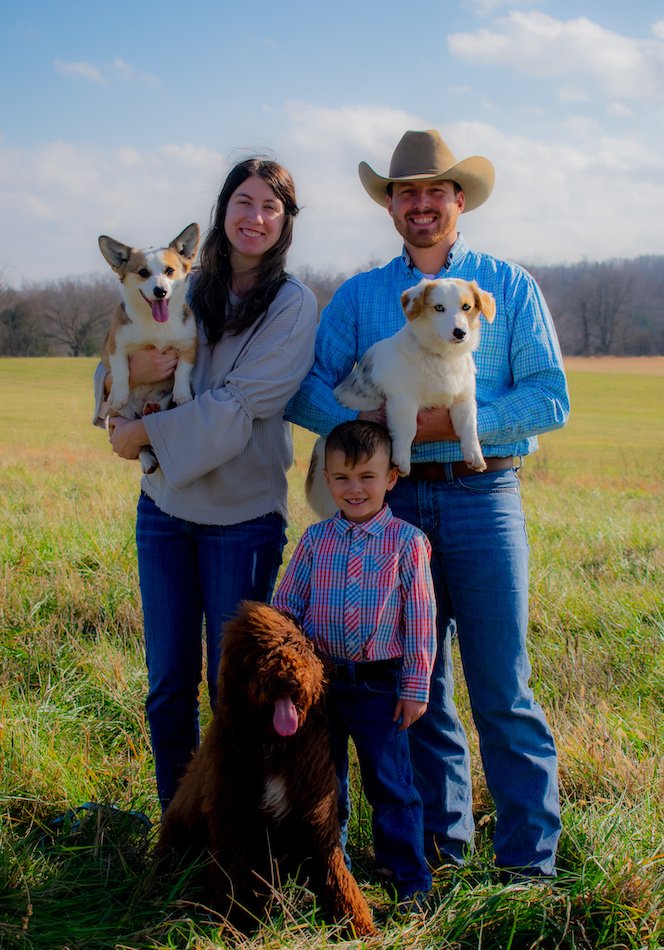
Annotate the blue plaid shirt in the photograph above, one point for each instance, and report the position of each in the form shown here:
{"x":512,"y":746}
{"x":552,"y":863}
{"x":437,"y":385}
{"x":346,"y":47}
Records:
{"x":521,"y":386}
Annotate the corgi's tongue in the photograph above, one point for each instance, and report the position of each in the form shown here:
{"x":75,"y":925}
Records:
{"x":285,"y":717}
{"x":159,"y":310}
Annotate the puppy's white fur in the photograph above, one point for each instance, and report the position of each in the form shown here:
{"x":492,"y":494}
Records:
{"x":426,"y":364}
{"x":153,"y":312}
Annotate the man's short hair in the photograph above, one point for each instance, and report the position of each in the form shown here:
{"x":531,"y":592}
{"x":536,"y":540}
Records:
{"x":359,"y":440}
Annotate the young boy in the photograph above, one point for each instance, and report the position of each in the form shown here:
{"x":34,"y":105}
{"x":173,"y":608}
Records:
{"x":360,"y":585}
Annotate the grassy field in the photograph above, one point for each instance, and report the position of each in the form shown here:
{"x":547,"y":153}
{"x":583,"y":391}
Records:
{"x":72,"y":682}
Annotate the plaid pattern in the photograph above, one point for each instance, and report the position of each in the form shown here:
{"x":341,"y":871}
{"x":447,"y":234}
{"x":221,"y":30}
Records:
{"x":521,"y":387}
{"x":364,"y":592}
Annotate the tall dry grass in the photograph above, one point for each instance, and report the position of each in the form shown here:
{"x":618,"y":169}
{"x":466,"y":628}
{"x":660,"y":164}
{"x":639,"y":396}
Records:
{"x":72,"y":682}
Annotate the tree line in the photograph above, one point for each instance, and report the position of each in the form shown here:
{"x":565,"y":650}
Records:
{"x":607,"y":308}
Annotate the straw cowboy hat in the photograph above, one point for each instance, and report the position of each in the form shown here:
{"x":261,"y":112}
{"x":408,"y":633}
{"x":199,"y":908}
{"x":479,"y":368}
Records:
{"x":423,"y":156}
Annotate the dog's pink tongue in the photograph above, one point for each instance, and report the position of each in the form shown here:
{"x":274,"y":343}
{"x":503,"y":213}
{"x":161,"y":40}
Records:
{"x":159,"y":310}
{"x":285,"y":717}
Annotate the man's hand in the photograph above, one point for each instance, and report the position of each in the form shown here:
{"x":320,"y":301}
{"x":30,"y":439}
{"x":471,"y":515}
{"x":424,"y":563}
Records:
{"x":127,"y":437}
{"x":408,"y":711}
{"x":435,"y":425}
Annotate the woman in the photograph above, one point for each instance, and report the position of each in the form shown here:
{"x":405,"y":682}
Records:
{"x":210,"y":526}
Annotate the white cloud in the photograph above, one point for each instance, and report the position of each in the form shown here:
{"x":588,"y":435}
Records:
{"x":56,"y":200}
{"x":82,"y":69}
{"x":104,"y":73}
{"x":578,"y":193}
{"x":539,"y":45}
{"x":657,"y":29}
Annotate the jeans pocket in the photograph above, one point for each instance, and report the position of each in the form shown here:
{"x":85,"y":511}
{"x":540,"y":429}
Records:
{"x":505,"y":482}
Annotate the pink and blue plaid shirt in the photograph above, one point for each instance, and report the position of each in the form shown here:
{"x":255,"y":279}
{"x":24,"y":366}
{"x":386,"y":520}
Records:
{"x":364,"y":592}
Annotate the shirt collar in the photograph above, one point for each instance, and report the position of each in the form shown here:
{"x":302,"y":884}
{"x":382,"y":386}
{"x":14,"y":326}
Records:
{"x":456,"y":253}
{"x":376,"y":526}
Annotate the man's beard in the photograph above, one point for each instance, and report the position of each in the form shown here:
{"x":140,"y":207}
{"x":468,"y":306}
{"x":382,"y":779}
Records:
{"x":423,"y":237}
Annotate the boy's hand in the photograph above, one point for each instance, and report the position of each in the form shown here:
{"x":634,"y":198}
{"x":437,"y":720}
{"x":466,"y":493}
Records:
{"x":408,"y":711}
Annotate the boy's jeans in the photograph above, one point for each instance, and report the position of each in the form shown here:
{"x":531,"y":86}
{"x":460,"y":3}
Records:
{"x":361,"y":707}
{"x":189,"y":572}
{"x":480,"y":571}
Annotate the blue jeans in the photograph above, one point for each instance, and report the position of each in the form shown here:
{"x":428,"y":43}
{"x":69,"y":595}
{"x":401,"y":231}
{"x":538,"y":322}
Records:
{"x":480,"y":571}
{"x":189,"y":572}
{"x":361,"y":708}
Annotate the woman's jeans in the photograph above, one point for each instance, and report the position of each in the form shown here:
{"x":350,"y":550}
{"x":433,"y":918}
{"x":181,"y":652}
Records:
{"x":480,"y":570}
{"x":189,"y":572}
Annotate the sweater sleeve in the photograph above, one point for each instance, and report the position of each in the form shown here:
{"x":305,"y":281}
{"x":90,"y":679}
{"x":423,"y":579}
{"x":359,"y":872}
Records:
{"x":314,"y":406}
{"x":196,"y":438}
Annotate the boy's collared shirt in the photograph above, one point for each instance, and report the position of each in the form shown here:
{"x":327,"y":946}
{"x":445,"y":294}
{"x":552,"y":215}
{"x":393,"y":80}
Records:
{"x":364,"y":592}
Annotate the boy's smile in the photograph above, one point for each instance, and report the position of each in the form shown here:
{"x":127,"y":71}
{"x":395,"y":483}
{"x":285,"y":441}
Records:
{"x":359,"y":490}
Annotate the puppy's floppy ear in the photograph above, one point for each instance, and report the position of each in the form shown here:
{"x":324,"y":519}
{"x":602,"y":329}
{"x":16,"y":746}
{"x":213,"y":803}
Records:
{"x":484,"y":301}
{"x":116,"y":254}
{"x":413,"y":300}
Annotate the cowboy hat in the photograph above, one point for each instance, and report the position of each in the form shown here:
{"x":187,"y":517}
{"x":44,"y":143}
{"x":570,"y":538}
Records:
{"x":424,"y":156}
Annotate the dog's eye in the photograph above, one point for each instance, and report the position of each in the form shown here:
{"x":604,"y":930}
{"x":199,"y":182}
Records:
{"x":439,"y":307}
{"x":144,"y":272}
{"x":169,"y":271}
{"x":466,"y":306}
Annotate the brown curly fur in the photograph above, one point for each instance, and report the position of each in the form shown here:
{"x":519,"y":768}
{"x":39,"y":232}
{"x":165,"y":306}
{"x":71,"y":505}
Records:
{"x":264,"y":806}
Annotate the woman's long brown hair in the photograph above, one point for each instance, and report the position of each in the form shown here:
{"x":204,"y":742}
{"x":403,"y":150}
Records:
{"x":210,"y":298}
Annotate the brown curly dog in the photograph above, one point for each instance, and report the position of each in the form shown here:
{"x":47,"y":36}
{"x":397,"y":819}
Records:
{"x":259,"y":797}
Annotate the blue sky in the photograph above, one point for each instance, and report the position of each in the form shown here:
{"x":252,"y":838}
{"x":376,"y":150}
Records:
{"x":124,"y":120}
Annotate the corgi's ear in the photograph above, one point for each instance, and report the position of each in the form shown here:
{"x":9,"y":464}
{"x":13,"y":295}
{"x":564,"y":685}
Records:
{"x":186,"y":243}
{"x":413,"y":300}
{"x":115,"y":253}
{"x":484,"y":301}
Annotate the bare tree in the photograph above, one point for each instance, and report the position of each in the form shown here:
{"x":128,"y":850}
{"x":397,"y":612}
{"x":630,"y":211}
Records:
{"x":76,"y":313}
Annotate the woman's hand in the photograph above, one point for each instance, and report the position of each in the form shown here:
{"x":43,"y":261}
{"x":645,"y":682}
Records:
{"x":150,"y":365}
{"x":408,"y":711}
{"x":127,"y":437}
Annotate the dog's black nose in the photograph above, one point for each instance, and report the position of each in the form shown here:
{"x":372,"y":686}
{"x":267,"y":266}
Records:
{"x":458,"y":333}
{"x":159,"y":292}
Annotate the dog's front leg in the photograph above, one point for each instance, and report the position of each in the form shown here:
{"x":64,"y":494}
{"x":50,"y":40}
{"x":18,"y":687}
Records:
{"x":463,"y":414}
{"x":119,"y":366}
{"x":401,"y":415}
{"x":181,"y":384}
{"x":344,"y":899}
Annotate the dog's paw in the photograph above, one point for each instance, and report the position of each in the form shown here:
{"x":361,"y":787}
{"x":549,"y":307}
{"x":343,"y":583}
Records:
{"x":180,"y":396}
{"x":117,"y":400}
{"x":149,"y":462}
{"x":402,"y":463}
{"x":475,"y":460}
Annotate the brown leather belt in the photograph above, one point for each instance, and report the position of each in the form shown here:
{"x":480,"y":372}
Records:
{"x":440,"y":471}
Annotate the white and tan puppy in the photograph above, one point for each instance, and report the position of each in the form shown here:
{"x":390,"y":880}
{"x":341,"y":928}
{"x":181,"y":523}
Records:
{"x":153,"y":313}
{"x":427,"y":364}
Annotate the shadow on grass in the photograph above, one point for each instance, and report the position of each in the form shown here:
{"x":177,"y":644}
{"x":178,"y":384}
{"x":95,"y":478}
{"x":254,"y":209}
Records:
{"x":86,"y":879}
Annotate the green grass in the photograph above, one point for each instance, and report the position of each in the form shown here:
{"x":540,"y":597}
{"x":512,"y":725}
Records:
{"x":72,"y":683}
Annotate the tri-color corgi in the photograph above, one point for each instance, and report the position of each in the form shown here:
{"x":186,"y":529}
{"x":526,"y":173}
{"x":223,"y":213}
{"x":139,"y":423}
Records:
{"x":153,"y":312}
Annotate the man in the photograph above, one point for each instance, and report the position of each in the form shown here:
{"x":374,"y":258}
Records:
{"x":474,"y":521}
